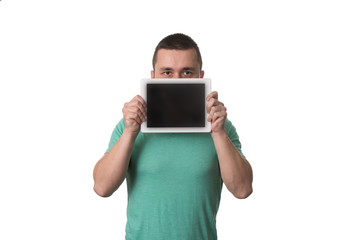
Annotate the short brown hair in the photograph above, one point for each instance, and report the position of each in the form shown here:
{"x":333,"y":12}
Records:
{"x":177,"y":41}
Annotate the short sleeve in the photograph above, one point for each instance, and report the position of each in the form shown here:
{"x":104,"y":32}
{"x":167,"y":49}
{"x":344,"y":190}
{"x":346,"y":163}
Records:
{"x":116,"y":134}
{"x":233,"y":136}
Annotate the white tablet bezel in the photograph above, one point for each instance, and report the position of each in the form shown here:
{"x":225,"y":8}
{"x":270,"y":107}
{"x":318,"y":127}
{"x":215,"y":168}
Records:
{"x":206,"y":81}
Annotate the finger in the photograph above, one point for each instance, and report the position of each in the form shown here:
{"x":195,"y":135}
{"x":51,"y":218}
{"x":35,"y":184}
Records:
{"x":213,"y":94}
{"x":137,"y":104}
{"x":140,"y":99}
{"x":129,"y":107}
{"x":213,"y":102}
{"x":220,"y":103}
{"x":217,"y":103}
{"x":213,"y":110}
{"x":137,"y":111}
{"x":217,"y":115}
{"x":133,"y":117}
{"x":210,"y":104}
{"x":217,"y":122}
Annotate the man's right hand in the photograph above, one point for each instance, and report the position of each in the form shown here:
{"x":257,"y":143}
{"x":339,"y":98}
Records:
{"x":134,"y":114}
{"x":110,"y":171}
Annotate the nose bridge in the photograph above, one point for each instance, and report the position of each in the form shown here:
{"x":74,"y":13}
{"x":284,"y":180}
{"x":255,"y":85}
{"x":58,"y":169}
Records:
{"x":177,"y":74}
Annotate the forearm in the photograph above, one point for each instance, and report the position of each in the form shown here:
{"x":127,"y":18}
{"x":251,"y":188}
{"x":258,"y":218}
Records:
{"x":110,"y":171}
{"x":236,"y":171}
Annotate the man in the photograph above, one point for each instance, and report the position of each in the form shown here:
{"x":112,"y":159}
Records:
{"x":174,"y":181}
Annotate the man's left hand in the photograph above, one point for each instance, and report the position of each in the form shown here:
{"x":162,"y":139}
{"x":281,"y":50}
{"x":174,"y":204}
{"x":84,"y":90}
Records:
{"x":217,"y":112}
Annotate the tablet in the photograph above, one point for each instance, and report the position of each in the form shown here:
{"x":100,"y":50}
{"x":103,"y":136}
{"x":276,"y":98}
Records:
{"x":176,"y":105}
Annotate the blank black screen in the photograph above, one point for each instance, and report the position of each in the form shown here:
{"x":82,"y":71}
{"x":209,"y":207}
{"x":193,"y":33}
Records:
{"x":176,"y":105}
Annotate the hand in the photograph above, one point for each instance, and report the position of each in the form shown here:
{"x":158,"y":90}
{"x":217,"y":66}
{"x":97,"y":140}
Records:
{"x":217,"y":112}
{"x":134,"y":114}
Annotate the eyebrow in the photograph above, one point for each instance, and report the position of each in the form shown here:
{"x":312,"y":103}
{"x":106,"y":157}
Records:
{"x":188,"y":68}
{"x":166,"y":69}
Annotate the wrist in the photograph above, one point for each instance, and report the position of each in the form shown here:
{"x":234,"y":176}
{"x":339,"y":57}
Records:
{"x":129,"y":133}
{"x":219,"y":133}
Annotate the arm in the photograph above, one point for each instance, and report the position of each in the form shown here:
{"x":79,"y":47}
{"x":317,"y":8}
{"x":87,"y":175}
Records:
{"x":110,"y":170}
{"x":235,"y":170}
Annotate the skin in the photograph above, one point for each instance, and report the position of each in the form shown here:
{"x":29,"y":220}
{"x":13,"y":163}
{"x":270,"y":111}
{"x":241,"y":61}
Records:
{"x":236,"y":172}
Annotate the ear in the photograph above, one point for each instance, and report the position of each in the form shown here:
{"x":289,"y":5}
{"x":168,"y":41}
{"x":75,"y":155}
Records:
{"x":202,"y":74}
{"x":152,"y":74}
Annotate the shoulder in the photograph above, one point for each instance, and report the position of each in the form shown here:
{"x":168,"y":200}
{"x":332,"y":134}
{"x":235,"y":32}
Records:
{"x":120,"y":126}
{"x":233,"y":135}
{"x":229,"y":127}
{"x":118,"y":130}
{"x":231,"y":130}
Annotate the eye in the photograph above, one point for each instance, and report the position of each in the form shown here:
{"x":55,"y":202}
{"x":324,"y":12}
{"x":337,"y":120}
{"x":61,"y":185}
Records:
{"x":167,"y":73}
{"x":187,"y":73}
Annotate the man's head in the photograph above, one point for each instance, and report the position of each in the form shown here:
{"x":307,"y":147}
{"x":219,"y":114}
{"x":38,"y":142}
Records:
{"x":177,"y":56}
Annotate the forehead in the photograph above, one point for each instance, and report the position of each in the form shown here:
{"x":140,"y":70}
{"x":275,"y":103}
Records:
{"x":176,"y":58}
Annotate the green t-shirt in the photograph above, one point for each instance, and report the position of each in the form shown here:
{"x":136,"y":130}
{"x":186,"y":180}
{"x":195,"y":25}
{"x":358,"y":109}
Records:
{"x":174,"y":185}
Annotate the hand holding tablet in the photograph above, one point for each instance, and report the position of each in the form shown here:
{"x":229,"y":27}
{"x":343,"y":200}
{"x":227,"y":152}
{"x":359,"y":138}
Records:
{"x":217,"y":112}
{"x":134,"y":114}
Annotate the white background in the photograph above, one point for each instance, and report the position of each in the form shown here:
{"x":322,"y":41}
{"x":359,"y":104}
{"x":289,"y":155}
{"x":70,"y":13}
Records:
{"x":288,"y":71}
